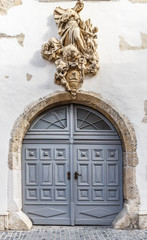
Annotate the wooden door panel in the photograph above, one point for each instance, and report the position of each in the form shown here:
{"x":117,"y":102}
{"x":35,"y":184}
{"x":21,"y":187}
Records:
{"x":98,"y":189}
{"x":46,"y":190}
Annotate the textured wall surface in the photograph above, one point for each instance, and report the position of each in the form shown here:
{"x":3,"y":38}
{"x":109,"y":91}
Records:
{"x":26,"y":77}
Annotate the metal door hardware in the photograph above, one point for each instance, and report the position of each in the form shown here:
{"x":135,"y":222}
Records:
{"x":76,"y":175}
{"x":68,"y":175}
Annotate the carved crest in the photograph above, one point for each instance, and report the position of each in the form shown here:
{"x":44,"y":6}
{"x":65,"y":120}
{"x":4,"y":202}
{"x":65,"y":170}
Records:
{"x":75,"y":53}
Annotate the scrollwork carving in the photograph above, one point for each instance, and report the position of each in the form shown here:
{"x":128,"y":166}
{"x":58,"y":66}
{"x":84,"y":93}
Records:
{"x":75,"y":53}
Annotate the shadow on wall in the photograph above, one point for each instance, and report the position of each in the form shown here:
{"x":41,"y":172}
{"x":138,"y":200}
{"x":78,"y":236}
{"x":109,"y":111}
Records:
{"x":37,"y":59}
{"x":52,"y":29}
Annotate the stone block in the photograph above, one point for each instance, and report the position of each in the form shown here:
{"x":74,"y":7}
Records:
{"x":19,"y":221}
{"x":143,"y":221}
{"x":122,"y":221}
{"x":130,"y":159}
{"x":3,"y":222}
{"x":129,"y":183}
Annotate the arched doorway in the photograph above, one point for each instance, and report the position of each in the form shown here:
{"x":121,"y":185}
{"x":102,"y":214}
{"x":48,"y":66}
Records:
{"x":128,"y":217}
{"x":72,"y":168}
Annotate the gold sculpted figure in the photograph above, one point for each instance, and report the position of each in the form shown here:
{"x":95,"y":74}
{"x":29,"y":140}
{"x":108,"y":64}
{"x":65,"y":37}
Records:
{"x":75,"y":53}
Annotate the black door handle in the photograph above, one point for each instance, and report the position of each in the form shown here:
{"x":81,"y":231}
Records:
{"x":76,"y":174}
{"x":68,"y":175}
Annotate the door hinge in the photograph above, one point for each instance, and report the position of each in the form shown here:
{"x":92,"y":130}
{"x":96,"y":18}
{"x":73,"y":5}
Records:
{"x":68,"y":175}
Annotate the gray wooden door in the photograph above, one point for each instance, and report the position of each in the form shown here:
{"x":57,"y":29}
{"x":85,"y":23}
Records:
{"x":72,"y":168}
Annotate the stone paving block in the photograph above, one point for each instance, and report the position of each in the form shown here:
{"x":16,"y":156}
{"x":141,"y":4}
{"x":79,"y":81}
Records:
{"x":74,"y":233}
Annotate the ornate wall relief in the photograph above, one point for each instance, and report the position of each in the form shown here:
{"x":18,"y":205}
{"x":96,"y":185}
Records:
{"x":75,"y":53}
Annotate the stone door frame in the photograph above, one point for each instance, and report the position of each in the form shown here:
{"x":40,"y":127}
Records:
{"x":128,"y":217}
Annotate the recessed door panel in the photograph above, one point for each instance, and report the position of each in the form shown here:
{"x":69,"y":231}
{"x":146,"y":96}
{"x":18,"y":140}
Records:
{"x":46,"y":170}
{"x":60,"y":174}
{"x":97,"y":174}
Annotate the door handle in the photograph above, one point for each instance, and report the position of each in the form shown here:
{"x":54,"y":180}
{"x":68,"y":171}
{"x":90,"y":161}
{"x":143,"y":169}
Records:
{"x":76,"y":174}
{"x":68,"y":175}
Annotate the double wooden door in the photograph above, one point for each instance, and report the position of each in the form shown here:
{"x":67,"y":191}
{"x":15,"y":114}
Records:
{"x":72,"y":168}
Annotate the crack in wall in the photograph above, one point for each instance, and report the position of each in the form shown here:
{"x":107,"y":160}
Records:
{"x":20,"y":37}
{"x":126,"y":46}
{"x":5,"y":5}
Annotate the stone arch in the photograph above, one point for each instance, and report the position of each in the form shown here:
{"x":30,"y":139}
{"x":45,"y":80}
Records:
{"x":128,"y":217}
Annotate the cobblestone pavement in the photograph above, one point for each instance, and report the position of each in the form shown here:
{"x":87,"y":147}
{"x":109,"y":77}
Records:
{"x":74,"y":233}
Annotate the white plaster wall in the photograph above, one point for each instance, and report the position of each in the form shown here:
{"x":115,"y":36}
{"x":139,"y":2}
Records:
{"x":122,"y":77}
